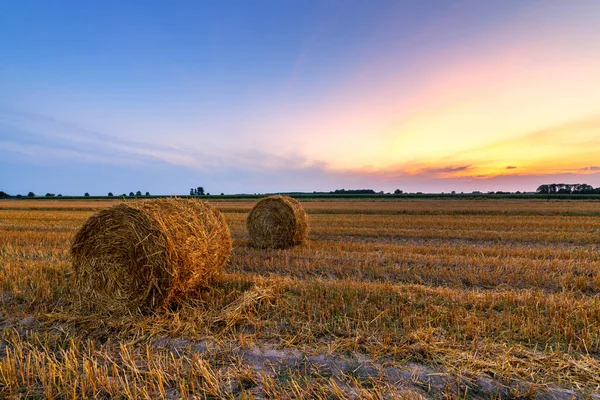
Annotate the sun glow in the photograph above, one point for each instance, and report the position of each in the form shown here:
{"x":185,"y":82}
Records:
{"x":526,"y":107}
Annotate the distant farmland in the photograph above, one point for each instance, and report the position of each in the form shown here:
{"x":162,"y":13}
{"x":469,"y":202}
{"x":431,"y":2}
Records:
{"x":407,"y":298}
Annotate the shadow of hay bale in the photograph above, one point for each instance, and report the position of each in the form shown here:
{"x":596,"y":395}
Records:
{"x":143,"y":255}
{"x":277,"y":222}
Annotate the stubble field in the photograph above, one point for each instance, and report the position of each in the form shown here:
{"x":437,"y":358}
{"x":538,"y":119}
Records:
{"x":388,"y":299}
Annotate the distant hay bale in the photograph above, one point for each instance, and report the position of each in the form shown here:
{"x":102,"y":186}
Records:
{"x":277,"y":222}
{"x":143,"y":255}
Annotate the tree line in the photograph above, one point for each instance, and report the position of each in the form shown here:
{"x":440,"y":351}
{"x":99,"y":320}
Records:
{"x":86,"y":194}
{"x":551,"y":188}
{"x":567,"y":188}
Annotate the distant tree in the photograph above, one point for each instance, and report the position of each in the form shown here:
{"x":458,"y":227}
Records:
{"x":200,"y":191}
{"x":147,"y":194}
{"x":50,"y":194}
{"x":192,"y":191}
{"x":30,"y":194}
{"x":398,"y":191}
{"x":131,"y":194}
{"x":582,"y":188}
{"x":3,"y":194}
{"x":19,"y":196}
{"x":87,"y":194}
{"x":138,"y":193}
{"x":588,"y":189}
{"x":353,"y":191}
{"x":123,"y":195}
{"x":222,"y":194}
{"x":566,"y":188}
{"x":110,"y":194}
{"x":208,"y":194}
{"x":59,"y":195}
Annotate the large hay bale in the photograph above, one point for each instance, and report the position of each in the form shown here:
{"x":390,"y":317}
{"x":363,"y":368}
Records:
{"x":142,"y":255}
{"x":277,"y":222}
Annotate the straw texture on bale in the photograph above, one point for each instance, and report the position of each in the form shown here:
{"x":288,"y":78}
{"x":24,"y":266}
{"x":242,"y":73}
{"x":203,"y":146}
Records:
{"x":143,"y":255}
{"x":277,"y":222}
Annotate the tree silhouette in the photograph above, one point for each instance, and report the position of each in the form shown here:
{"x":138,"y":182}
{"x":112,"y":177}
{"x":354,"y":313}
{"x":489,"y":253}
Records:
{"x":583,"y":188}
{"x":567,"y":188}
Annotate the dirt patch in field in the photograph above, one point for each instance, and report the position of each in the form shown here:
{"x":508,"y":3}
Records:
{"x":427,"y":381}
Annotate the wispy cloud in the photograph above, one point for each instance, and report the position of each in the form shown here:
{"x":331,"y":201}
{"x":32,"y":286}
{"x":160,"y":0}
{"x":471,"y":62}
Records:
{"x":592,"y":168}
{"x":560,"y":148}
{"x":42,"y":139}
{"x":446,"y":170}
{"x":61,"y":139}
{"x":51,"y":154}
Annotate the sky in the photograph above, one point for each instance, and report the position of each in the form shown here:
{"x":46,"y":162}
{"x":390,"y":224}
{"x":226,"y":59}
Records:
{"x":279,"y":96}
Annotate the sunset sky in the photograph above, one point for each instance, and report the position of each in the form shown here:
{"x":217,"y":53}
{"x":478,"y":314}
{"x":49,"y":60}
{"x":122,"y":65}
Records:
{"x":274,"y":96}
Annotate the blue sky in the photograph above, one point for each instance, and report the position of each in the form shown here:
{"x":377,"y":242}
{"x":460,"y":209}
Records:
{"x":267,"y":96}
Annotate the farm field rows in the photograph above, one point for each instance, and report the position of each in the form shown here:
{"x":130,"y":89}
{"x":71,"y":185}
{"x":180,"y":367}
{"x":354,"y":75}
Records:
{"x":388,"y":299}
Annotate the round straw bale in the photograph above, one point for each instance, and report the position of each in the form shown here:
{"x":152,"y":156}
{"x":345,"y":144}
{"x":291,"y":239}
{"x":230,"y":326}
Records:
{"x":277,"y":222}
{"x":142,"y":255}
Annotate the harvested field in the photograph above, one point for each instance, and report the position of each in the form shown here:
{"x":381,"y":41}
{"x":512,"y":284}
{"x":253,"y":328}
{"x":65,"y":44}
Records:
{"x":387,"y":299}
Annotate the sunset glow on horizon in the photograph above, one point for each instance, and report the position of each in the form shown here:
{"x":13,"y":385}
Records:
{"x":455,"y":94}
{"x":517,"y":109}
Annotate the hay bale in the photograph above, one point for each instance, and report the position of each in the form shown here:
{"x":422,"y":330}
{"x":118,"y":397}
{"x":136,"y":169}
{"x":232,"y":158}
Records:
{"x":142,"y":255}
{"x":277,"y":222}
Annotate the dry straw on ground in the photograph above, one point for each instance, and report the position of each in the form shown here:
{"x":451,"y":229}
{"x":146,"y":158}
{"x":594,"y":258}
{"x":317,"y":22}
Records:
{"x":143,"y":255}
{"x":277,"y":222}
